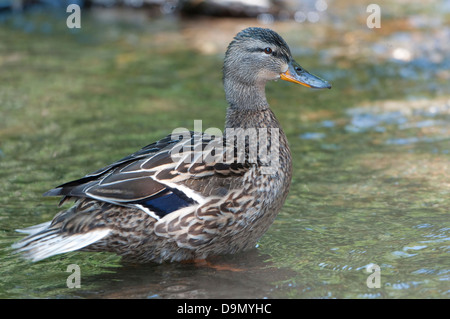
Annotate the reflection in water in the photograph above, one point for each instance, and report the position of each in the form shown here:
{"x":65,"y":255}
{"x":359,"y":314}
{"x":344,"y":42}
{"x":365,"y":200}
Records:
{"x":238,"y":276}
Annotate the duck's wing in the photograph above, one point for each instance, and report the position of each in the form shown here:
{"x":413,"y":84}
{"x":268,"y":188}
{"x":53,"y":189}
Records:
{"x":162,"y":177}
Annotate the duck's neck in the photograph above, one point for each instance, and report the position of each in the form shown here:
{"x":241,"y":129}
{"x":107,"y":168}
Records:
{"x":248,"y":106}
{"x":249,"y":111}
{"x":245,"y":95}
{"x":250,"y":118}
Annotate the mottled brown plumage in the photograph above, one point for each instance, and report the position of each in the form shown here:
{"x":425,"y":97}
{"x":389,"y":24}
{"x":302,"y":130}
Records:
{"x":189,"y":195}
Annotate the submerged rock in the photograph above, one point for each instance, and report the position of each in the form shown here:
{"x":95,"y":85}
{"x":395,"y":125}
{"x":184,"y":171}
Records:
{"x":244,"y":8}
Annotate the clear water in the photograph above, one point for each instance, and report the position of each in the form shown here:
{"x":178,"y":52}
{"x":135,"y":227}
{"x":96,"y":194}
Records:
{"x":371,"y":156}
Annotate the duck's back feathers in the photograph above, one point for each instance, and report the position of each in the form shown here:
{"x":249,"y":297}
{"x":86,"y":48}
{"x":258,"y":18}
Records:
{"x":160,"y":178}
{"x":147,"y":151}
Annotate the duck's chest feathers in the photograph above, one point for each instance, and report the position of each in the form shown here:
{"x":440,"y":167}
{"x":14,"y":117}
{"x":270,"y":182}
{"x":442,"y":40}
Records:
{"x":268,"y":190}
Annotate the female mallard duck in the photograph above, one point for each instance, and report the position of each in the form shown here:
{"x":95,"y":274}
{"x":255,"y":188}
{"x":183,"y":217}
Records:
{"x":189,"y":195}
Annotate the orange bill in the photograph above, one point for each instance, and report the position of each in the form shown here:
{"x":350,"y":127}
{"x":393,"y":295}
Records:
{"x":296,"y":74}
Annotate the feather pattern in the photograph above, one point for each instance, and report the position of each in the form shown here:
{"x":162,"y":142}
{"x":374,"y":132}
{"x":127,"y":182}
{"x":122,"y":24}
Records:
{"x":190,"y":204}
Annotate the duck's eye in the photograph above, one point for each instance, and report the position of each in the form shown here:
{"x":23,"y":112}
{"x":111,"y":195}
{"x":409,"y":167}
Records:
{"x":267,"y":50}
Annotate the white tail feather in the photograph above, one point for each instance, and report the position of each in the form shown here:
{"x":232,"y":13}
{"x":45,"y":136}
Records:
{"x":46,"y":243}
{"x":34,"y":229}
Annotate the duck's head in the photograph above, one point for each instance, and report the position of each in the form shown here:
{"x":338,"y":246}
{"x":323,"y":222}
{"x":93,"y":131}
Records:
{"x":258,"y":55}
